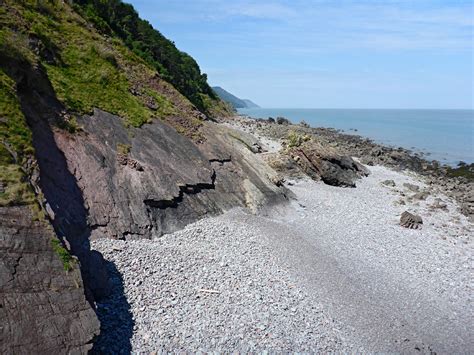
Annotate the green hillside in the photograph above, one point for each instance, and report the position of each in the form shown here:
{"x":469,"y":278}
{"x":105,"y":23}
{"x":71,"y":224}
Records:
{"x":113,"y":17}
{"x":93,"y":54}
{"x":232,"y":99}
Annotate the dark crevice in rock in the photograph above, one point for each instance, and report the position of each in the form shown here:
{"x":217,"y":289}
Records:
{"x":98,"y":225}
{"x":15,"y":266}
{"x":188,"y":189}
{"x":221,"y":160}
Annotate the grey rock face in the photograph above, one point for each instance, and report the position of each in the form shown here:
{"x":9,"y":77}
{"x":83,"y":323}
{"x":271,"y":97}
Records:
{"x":42,"y":307}
{"x":177,"y":183}
{"x":410,"y":221}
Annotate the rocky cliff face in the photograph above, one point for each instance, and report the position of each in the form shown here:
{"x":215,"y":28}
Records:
{"x":107,"y":179}
{"x":42,"y":306}
{"x":154,"y":165}
{"x":143,"y":182}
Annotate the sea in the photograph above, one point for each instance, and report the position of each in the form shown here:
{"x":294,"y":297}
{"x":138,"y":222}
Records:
{"x":443,"y":135}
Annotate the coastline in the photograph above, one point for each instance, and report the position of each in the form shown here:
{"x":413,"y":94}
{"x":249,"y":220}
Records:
{"x":331,"y":271}
{"x":455,"y":183}
{"x":442,"y":135}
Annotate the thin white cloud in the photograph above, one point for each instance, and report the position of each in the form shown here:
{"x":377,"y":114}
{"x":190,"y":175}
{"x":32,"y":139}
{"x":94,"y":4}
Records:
{"x":318,"y":26}
{"x":260,"y":10}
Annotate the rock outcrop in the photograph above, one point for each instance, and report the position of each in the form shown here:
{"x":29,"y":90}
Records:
{"x":43,"y":308}
{"x":177,"y":183}
{"x":102,"y":177}
{"x":319,"y":163}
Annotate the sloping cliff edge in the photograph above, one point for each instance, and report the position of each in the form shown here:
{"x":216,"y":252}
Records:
{"x":104,"y":180}
{"x":96,"y":142}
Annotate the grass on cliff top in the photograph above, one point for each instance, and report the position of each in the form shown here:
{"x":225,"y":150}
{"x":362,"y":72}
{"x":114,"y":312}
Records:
{"x":83,"y":66}
{"x":89,"y":80}
{"x":88,"y":70}
{"x":87,"y":74}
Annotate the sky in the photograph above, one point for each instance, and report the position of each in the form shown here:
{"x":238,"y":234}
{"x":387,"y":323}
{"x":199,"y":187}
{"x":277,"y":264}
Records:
{"x":327,"y":54}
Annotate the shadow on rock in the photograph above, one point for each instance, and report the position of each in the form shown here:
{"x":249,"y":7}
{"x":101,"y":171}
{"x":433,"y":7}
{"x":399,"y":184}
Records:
{"x":68,"y":213}
{"x":116,"y":321}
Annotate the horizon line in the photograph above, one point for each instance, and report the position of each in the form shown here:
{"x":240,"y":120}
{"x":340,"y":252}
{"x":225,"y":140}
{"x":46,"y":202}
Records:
{"x":356,"y":108}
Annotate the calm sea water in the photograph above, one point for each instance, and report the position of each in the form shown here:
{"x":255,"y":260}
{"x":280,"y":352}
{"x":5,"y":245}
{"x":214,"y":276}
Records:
{"x":445,"y":135}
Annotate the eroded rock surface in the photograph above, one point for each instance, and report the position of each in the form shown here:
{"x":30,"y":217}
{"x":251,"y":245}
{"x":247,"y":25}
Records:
{"x":43,"y":308}
{"x":178,"y":181}
{"x":319,"y":163}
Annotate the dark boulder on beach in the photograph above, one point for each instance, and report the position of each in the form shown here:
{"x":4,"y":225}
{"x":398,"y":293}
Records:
{"x":320,"y":163}
{"x":411,"y":221}
{"x":283,"y":121}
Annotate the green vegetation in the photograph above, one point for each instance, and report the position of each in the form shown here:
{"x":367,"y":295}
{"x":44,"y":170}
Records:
{"x":463,"y":170}
{"x":14,"y":131}
{"x":66,"y":258}
{"x":89,"y":79}
{"x":216,"y":108}
{"x":114,"y":70}
{"x":295,"y":139}
{"x":86,"y":70}
{"x":163,"y":106}
{"x":88,"y":75}
{"x":123,"y":149}
{"x":16,"y":190}
{"x":15,"y":147}
{"x":115,"y":17}
{"x":69,"y":124}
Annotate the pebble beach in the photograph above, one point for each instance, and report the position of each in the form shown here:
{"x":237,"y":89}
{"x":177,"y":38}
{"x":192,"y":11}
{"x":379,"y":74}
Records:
{"x":332,"y":271}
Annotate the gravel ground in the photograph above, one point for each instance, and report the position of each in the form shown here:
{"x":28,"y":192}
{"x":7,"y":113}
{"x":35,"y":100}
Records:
{"x":398,"y":289}
{"x":332,"y":272}
{"x":214,"y":286}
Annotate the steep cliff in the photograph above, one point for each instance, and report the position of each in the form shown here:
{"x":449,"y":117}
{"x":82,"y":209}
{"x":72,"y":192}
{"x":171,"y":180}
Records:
{"x":96,"y":142}
{"x":42,"y":305}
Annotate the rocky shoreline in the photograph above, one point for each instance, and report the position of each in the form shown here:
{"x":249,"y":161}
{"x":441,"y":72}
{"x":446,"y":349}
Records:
{"x":331,"y":271}
{"x":456,"y":183}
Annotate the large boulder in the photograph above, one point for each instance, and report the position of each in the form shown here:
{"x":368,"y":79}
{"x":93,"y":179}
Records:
{"x":325,"y":163}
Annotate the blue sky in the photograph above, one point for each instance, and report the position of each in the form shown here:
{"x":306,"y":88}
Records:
{"x":327,"y":54}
